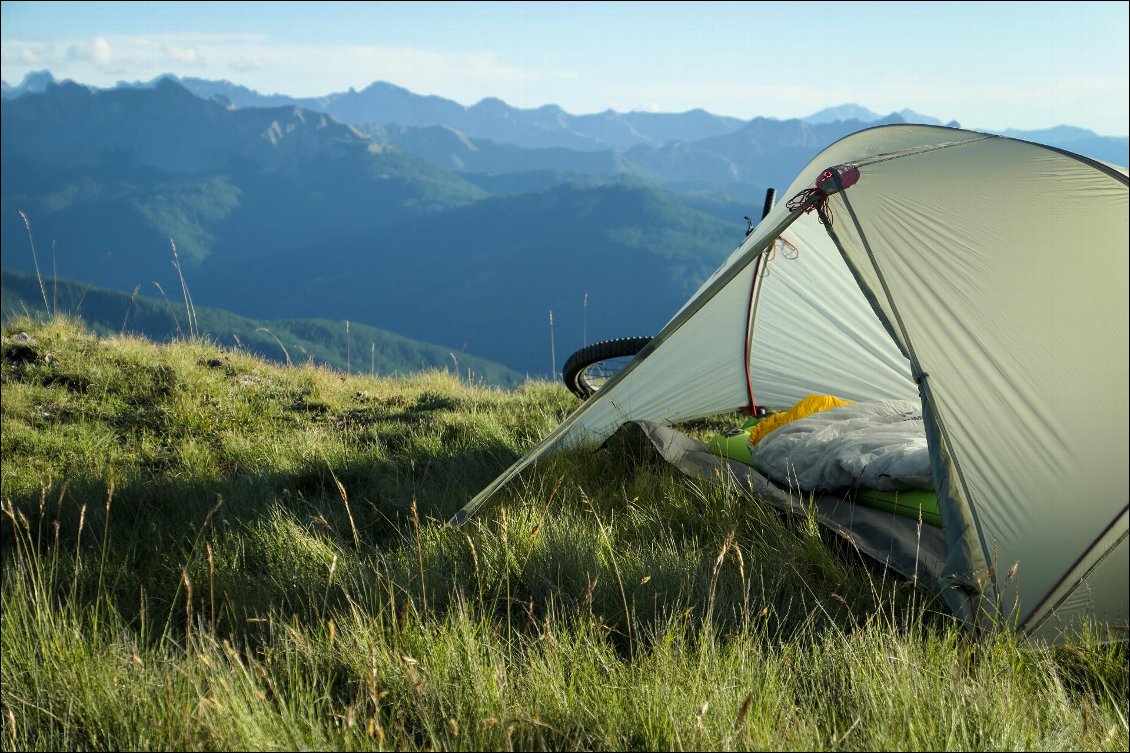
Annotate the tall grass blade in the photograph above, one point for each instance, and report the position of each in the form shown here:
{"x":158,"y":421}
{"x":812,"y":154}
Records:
{"x":35,"y":259}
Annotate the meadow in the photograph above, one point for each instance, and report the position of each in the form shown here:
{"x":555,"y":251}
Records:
{"x":204,"y":550}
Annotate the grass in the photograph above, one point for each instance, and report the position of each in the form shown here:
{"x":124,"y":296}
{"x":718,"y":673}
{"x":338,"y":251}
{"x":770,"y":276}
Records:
{"x":201,"y":550}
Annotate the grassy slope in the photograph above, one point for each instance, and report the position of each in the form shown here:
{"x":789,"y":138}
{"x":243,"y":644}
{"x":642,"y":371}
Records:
{"x":205,"y":551}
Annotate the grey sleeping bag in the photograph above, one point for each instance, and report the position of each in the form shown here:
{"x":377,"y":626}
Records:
{"x":874,"y":445}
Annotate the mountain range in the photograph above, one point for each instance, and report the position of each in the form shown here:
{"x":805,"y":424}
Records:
{"x":461,"y":226}
{"x":352,"y":347}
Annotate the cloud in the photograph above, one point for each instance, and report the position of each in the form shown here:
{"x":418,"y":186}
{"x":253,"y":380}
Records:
{"x":186,"y":54}
{"x":299,"y":69}
{"x":20,"y":54}
{"x":96,"y":51}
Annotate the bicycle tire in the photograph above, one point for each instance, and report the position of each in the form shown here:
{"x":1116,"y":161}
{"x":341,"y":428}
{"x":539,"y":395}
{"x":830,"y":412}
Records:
{"x":590,"y":367}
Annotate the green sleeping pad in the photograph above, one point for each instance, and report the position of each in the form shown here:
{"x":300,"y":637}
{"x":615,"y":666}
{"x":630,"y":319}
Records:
{"x":906,"y":503}
{"x":910,"y":503}
{"x":734,"y":443}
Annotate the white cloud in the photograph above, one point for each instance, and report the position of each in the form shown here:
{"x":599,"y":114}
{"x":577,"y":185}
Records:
{"x":297,"y":69}
{"x":186,"y":54}
{"x":20,"y":54}
{"x":96,"y":51}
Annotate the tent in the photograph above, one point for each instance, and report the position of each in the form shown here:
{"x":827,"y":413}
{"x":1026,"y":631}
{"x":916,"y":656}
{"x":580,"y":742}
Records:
{"x":983,"y":276}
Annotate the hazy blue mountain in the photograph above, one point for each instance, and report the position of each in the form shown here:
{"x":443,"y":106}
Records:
{"x":536,"y":181}
{"x":238,"y":95}
{"x":169,"y":130}
{"x":322,"y":342}
{"x":381,"y":102}
{"x":764,"y":153}
{"x":1114,"y":149}
{"x":543,"y":127}
{"x":492,"y":119}
{"x":34,"y":82}
{"x":281,"y":212}
{"x":448,"y":148}
{"x":910,"y":116}
{"x":146,"y":165}
{"x":1058,"y":134}
{"x":852,"y":111}
{"x":665,"y":127}
{"x":485,"y":276}
{"x":849,"y":111}
{"x":551,"y":127}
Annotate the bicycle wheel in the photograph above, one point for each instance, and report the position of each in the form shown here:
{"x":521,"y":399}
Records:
{"x":587,"y":370}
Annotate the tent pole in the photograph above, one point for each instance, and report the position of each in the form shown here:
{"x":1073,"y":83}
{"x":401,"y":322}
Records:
{"x":770,"y":200}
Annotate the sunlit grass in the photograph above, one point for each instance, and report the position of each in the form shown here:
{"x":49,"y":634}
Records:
{"x":204,"y":551}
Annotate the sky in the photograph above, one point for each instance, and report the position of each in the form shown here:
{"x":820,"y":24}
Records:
{"x":991,"y":66}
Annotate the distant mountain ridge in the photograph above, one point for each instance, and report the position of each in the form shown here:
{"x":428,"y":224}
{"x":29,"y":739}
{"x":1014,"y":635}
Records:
{"x":284,"y":211}
{"x":852,"y":111}
{"x":544,"y":127}
{"x":550,"y":127}
{"x":184,"y":165}
{"x":35,"y":81}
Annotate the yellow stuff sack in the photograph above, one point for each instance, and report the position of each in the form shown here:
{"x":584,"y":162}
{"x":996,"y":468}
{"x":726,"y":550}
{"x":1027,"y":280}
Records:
{"x":806,"y":407}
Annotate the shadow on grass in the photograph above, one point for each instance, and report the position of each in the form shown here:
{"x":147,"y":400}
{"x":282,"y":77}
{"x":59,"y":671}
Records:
{"x":367,"y":533}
